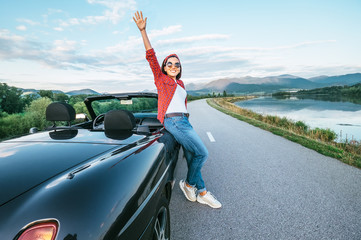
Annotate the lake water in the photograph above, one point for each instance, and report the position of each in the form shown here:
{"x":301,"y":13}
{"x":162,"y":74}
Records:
{"x":342,"y":117}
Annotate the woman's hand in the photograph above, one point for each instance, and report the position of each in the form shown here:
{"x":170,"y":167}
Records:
{"x":138,"y":19}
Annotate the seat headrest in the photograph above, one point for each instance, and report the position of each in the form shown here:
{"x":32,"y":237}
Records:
{"x":119,"y":120}
{"x":59,"y":111}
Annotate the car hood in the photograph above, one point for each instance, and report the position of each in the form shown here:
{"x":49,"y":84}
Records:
{"x":29,"y":161}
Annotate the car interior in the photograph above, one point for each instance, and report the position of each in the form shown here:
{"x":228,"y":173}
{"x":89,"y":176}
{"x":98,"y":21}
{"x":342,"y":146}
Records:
{"x":113,"y":120}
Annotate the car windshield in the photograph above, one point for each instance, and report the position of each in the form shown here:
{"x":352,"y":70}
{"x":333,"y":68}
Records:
{"x":135,"y":105}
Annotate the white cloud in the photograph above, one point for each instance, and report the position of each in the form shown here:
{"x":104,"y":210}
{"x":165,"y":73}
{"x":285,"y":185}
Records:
{"x":301,"y":44}
{"x":195,"y":38}
{"x":64,"y":46}
{"x":117,"y":9}
{"x":62,"y":54}
{"x":59,"y":29}
{"x":233,"y":51}
{"x":51,"y":12}
{"x":114,"y":13}
{"x":21,"y":28}
{"x":129,"y":50}
{"x":224,"y":51}
{"x":291,"y":46}
{"x":12,"y":45}
{"x":165,"y":31}
{"x":69,"y":22}
{"x":28,"y":21}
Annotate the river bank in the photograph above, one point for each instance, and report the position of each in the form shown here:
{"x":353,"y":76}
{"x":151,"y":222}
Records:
{"x":342,"y":117}
{"x":320,"y":140}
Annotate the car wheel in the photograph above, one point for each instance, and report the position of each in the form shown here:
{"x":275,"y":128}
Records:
{"x":161,"y":230}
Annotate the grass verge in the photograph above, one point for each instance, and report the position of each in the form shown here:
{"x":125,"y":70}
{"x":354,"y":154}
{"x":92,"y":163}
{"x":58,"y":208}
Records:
{"x":320,"y":140}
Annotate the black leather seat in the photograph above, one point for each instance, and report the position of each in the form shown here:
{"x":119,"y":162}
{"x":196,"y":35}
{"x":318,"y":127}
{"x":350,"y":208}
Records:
{"x":59,"y":111}
{"x":119,"y":124}
{"x":119,"y":120}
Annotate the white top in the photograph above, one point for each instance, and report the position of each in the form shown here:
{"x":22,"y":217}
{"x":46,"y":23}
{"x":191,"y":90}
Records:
{"x":177,"y":105}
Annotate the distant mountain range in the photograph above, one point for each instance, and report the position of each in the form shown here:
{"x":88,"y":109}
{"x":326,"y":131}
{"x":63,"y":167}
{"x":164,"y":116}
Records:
{"x":82,"y":91}
{"x":250,"y":85}
{"x":70,"y":93}
{"x":244,"y":85}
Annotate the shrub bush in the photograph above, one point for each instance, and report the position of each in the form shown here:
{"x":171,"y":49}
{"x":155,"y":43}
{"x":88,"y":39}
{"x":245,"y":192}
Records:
{"x":326,"y":135}
{"x":301,"y":126}
{"x":12,"y":125}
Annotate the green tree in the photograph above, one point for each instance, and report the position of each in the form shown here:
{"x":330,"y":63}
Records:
{"x":60,"y":97}
{"x":10,"y":99}
{"x":37,"y":111}
{"x":47,"y":94}
{"x":81,"y":108}
{"x":77,"y":98}
{"x":28,"y":98}
{"x":12,"y":125}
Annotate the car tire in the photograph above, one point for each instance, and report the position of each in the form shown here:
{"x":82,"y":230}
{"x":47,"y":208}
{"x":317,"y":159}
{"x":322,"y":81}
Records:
{"x":161,"y":229}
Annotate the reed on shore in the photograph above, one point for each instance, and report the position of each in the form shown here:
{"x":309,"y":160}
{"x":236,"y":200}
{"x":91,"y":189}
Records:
{"x":320,"y":140}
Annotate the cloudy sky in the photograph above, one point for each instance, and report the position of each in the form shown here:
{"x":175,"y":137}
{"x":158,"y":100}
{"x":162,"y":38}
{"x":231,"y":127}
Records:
{"x":75,"y":44}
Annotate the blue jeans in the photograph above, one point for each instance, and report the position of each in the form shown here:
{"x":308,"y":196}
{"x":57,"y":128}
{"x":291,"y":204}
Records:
{"x":194,"y":150}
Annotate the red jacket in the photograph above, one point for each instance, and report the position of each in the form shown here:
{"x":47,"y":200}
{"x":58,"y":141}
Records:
{"x":166,"y":86}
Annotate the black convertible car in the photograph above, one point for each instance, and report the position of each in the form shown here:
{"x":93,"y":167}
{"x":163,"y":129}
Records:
{"x":106,"y":178}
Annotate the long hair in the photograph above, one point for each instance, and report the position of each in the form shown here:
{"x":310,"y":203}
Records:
{"x":165,"y":61}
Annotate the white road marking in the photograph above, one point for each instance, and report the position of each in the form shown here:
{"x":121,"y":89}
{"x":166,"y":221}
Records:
{"x":210,"y":136}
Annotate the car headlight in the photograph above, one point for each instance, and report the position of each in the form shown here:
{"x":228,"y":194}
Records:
{"x":39,"y":230}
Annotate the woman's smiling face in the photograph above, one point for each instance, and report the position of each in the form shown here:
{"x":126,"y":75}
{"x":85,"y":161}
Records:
{"x":172,"y":67}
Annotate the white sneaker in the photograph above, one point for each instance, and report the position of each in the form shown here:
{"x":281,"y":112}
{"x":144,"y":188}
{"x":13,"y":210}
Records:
{"x":189,"y":192}
{"x":209,"y":199}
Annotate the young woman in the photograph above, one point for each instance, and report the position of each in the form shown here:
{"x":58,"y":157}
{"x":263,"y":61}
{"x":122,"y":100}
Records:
{"x":173,"y":114}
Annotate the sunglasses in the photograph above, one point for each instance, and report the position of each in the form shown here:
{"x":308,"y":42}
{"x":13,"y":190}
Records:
{"x":169,"y":64}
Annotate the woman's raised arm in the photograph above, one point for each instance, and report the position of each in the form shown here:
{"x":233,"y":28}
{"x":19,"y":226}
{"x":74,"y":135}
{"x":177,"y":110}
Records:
{"x":141,"y":23}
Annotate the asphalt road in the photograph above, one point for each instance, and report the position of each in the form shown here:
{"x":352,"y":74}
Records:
{"x":270,"y":188}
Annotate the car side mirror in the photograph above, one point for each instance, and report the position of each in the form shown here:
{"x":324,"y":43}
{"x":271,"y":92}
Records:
{"x":33,"y":130}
